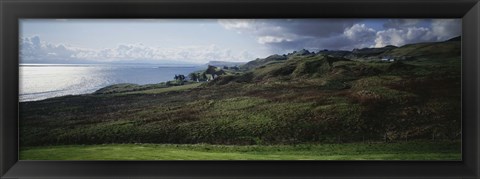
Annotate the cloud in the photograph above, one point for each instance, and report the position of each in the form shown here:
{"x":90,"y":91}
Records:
{"x":354,"y":36}
{"x":277,"y":35}
{"x":359,"y":32}
{"x":358,"y":36}
{"x":273,"y":39}
{"x":403,"y":23}
{"x":237,"y":24}
{"x":33,"y":50}
{"x":406,"y":33}
{"x":284,"y":35}
{"x":445,"y":29}
{"x":400,"y":37}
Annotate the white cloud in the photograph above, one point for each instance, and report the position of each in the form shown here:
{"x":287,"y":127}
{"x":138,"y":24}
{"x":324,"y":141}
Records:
{"x":359,"y":32}
{"x":34,"y":50}
{"x":399,"y":37}
{"x":406,"y":32}
{"x":358,"y":36}
{"x":272,"y":39}
{"x":237,"y":24}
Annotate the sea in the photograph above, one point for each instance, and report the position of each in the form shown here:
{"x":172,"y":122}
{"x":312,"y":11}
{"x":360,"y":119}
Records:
{"x":42,"y":81}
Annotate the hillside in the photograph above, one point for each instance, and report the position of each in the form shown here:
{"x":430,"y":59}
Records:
{"x":448,"y":48}
{"x":427,"y":50}
{"x":282,"y":99}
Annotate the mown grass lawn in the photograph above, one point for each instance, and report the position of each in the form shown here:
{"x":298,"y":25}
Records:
{"x":354,"y":151}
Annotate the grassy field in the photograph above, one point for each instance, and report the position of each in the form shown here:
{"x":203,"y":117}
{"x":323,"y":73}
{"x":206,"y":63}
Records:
{"x":352,"y":151}
{"x":333,"y":103}
{"x":164,"y":90}
{"x":353,"y":101}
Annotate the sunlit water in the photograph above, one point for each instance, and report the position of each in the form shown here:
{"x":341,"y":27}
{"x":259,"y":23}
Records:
{"x":39,"y":82}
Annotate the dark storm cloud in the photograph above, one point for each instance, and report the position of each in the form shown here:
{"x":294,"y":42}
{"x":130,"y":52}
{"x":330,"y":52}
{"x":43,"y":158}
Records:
{"x":325,"y":34}
{"x":404,"y":23}
{"x":283,"y":35}
{"x":293,"y":34}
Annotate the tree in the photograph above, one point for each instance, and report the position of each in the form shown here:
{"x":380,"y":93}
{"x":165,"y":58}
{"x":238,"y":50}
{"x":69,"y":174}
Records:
{"x":234,"y":68}
{"x":181,"y":77}
{"x":211,"y":70}
{"x":193,"y":77}
{"x":176,"y":77}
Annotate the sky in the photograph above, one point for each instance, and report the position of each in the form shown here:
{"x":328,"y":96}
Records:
{"x":198,"y":41}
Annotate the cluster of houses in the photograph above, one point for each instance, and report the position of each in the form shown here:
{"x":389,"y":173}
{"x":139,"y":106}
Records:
{"x":388,"y":59}
{"x":210,"y":73}
{"x":392,"y":59}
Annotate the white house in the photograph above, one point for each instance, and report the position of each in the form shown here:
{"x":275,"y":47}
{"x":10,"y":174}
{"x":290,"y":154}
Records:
{"x":388,"y":59}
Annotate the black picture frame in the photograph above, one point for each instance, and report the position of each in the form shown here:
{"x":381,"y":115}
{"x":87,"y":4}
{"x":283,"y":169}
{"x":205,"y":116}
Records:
{"x":12,"y":10}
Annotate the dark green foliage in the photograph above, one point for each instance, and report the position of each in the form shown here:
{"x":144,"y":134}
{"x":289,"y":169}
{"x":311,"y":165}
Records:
{"x":398,"y":66}
{"x":214,"y":71}
{"x":179,"y":77}
{"x":226,"y":79}
{"x":194,"y":76}
{"x":284,"y":70}
{"x":312,"y":66}
{"x":335,"y":85}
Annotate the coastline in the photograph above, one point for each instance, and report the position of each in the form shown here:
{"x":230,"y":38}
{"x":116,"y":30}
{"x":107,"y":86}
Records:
{"x":44,"y":81}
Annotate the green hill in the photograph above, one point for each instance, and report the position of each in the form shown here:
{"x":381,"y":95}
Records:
{"x":282,"y":99}
{"x":427,"y":50}
{"x":265,"y":61}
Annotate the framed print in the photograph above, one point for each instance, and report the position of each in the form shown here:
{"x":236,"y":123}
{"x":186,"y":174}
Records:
{"x":235,"y":89}
{"x":239,"y":89}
